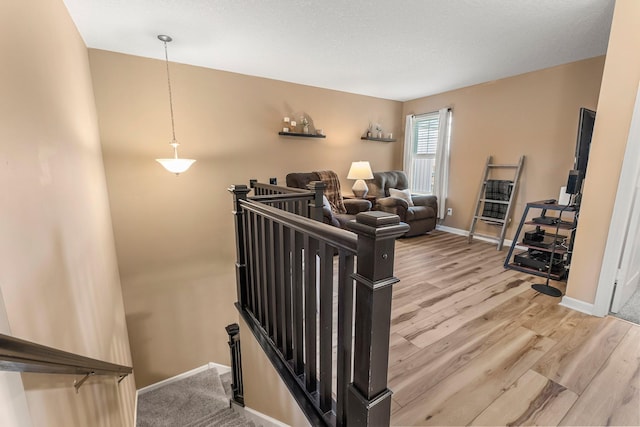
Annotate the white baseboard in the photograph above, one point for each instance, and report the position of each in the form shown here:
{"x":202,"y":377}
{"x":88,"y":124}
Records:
{"x":460,"y":232}
{"x":577,"y":305}
{"x":221,"y":370}
{"x":452,"y":230}
{"x":258,"y":417}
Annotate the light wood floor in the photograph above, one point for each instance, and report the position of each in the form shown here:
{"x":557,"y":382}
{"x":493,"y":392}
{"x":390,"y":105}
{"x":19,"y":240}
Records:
{"x":473,"y":344}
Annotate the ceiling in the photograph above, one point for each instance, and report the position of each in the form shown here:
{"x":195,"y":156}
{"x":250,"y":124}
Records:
{"x":399,"y":50}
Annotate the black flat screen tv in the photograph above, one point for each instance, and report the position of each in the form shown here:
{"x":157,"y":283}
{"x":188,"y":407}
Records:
{"x":585,"y":132}
{"x":586,"y":122}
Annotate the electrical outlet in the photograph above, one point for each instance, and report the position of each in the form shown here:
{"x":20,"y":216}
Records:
{"x":449,"y":211}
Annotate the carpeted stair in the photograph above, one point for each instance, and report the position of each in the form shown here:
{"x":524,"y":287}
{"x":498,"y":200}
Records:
{"x":200,"y":400}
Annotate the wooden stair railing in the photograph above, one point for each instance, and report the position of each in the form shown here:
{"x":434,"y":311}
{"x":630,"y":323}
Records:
{"x":289,"y":281}
{"x":25,"y":356}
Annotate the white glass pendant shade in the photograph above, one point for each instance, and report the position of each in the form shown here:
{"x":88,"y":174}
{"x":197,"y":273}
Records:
{"x":176,"y":165}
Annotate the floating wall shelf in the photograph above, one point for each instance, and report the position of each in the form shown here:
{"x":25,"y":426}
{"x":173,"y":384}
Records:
{"x":303,"y":135}
{"x":378,"y":139}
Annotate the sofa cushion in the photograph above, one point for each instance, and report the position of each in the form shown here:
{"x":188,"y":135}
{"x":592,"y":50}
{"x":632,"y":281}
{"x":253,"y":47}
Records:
{"x":417,"y":213}
{"x":401,"y":194}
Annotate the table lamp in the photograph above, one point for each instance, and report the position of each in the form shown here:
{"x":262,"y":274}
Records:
{"x":360,"y":171}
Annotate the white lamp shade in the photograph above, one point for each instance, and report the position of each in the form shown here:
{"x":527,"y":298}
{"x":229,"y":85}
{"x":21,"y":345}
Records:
{"x":360,"y":170}
{"x":176,"y":166}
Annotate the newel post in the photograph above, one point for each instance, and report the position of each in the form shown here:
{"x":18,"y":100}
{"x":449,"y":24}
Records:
{"x":240,"y":193}
{"x":315,"y":207}
{"x":369,"y":399}
{"x":233,"y":330}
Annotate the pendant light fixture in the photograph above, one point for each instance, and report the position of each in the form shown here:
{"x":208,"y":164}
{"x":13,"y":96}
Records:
{"x":175,"y":164}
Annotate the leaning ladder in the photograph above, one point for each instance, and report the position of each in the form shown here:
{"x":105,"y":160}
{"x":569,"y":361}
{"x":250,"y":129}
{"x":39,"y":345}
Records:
{"x":504,"y":222}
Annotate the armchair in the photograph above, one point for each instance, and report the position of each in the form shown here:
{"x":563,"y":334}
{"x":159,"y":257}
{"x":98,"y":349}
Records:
{"x":419,"y":212}
{"x":336,"y":210}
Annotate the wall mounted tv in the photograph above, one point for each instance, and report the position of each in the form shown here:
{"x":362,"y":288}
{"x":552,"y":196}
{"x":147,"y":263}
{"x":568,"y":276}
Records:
{"x":585,"y":132}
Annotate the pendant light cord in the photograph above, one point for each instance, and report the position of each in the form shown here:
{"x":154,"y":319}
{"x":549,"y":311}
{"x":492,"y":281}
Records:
{"x":166,"y":57}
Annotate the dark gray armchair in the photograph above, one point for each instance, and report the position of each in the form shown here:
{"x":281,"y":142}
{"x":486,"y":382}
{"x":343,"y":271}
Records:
{"x":352,"y":206}
{"x":421,"y":217}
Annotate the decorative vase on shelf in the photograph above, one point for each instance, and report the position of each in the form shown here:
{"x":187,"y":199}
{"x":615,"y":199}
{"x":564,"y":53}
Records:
{"x":380,"y":134}
{"x":305,"y":129}
{"x":369,"y":134}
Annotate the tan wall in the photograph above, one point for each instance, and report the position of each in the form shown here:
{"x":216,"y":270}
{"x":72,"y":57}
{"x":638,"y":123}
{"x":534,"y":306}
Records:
{"x":174,"y":235}
{"x":615,"y":108}
{"x":59,"y":276}
{"x":533,"y":114}
{"x":264,"y":390}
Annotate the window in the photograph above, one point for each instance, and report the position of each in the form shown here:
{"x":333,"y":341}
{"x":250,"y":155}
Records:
{"x":426,"y":154}
{"x":425,"y":137}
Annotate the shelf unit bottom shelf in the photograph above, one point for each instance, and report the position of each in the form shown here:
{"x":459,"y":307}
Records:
{"x":533,"y":271}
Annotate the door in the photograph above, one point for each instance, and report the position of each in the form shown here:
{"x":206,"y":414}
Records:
{"x":618,"y":264}
{"x":629,"y":268}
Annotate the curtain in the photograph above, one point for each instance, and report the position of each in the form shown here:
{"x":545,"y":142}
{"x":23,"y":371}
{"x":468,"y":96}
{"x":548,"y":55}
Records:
{"x":441,"y":179}
{"x":408,"y":145}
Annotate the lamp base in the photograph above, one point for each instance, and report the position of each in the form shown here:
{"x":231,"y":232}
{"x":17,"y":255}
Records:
{"x":360,"y":189}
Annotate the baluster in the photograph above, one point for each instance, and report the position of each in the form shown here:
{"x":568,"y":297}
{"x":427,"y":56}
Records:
{"x":326,"y":323}
{"x":310,"y":321}
{"x":369,"y":400}
{"x":287,"y":287}
{"x":345,"y":333}
{"x":298,"y":304}
{"x":278,"y":286}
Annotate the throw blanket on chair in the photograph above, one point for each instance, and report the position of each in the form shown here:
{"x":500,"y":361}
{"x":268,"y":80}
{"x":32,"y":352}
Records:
{"x":332,"y":192}
{"x":496,"y":190}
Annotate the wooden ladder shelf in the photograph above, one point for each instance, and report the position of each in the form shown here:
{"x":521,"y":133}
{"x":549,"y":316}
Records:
{"x":481,"y":200}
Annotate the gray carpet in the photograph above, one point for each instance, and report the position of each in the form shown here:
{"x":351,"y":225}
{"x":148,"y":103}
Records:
{"x":631,"y":310}
{"x":195,"y":401}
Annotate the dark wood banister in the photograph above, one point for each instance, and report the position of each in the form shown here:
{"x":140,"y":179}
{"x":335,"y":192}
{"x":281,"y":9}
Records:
{"x":26,"y":356}
{"x":285,"y":280}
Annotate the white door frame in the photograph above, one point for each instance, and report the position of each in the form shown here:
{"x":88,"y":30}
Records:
{"x":621,"y":213}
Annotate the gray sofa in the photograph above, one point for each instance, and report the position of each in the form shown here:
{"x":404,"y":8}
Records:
{"x":421,"y":217}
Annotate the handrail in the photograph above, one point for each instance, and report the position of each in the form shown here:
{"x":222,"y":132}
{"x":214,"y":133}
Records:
{"x":262,"y":188}
{"x":26,"y":356}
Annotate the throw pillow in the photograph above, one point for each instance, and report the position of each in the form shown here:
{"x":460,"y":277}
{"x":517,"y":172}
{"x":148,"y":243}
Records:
{"x":401,"y":194}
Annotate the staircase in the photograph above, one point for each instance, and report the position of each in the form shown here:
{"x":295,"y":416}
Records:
{"x":199,"y":399}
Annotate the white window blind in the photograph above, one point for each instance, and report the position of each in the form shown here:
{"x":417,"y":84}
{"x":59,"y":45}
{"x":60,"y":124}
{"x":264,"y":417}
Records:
{"x":426,"y":134}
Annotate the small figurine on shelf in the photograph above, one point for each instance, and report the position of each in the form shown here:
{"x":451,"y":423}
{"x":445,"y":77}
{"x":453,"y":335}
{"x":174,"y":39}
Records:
{"x":369,"y":133}
{"x":379,"y":129}
{"x":305,"y":124}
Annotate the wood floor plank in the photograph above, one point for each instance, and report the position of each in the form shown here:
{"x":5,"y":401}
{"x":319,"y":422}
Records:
{"x":400,"y":349}
{"x":613,"y":397}
{"x":533,"y":400}
{"x":462,"y":396}
{"x":574,"y":361}
{"x":423,"y":333}
{"x":465,"y":349}
{"x":426,"y":368}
